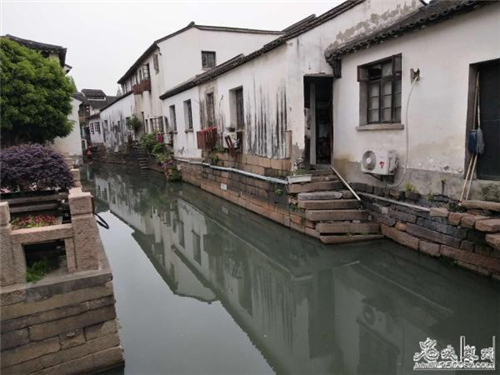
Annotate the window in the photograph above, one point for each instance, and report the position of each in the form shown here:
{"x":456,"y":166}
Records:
{"x":207,"y":59}
{"x":210,"y":109}
{"x":188,"y":115}
{"x":92,"y":127}
{"x":173,"y":119}
{"x":156,"y":66}
{"x":236,"y":108}
{"x":181,"y":234}
{"x":147,"y":126}
{"x":145,"y":69}
{"x":160,"y":124}
{"x":98,"y":127}
{"x":196,"y":247}
{"x":380,"y":91}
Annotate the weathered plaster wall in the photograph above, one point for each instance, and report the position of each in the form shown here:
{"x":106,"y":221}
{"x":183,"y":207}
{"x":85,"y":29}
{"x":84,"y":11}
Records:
{"x":264,"y":90}
{"x":438,"y":106}
{"x":305,"y":53}
{"x":96,"y":137}
{"x":180,"y":59}
{"x":115,"y":135}
{"x":273,"y":83}
{"x":185,"y":143}
{"x":72,"y":144}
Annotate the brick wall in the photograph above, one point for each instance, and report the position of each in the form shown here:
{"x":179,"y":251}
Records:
{"x":60,"y":327}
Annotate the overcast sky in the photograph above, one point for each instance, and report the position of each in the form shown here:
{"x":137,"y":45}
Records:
{"x":105,"y":38}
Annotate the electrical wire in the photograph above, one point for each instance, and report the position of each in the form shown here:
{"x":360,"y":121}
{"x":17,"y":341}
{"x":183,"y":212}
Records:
{"x":407,"y":130}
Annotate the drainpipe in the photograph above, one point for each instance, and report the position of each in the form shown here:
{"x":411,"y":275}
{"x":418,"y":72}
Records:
{"x":235,"y":170}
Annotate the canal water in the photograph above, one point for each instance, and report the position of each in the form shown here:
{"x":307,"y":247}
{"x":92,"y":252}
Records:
{"x":206,"y":287}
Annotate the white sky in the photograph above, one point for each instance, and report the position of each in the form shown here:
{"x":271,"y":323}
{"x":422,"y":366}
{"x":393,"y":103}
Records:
{"x":105,"y":38}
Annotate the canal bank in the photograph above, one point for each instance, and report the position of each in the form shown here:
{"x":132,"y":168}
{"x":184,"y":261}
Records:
{"x":204,"y":286}
{"x":324,"y":208}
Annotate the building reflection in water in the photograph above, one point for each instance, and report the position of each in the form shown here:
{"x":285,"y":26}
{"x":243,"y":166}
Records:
{"x":308,"y":308}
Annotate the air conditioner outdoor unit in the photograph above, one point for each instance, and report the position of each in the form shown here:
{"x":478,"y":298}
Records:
{"x":379,"y":162}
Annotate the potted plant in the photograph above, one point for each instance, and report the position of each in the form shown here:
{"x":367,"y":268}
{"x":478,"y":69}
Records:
{"x":33,"y":170}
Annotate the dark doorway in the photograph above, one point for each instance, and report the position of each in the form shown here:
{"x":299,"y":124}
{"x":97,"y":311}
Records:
{"x":318,"y":120}
{"x":488,"y":164}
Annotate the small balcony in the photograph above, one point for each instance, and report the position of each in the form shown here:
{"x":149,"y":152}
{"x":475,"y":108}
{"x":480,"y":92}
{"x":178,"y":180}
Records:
{"x":144,"y":85}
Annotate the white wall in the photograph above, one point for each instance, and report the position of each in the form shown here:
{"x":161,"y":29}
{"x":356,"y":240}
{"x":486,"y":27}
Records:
{"x":305,"y":53}
{"x":72,"y":144}
{"x":182,"y":53}
{"x":438,"y":106}
{"x":185,"y":143}
{"x":116,"y":131}
{"x":180,"y":59}
{"x":273,"y":82}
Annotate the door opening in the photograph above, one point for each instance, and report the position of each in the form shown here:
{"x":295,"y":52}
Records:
{"x":488,"y":164}
{"x":318,"y":120}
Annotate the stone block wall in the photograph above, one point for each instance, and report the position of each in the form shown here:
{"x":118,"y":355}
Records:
{"x":462,"y":237}
{"x":60,"y":326}
{"x":125,"y":155}
{"x":265,"y":198}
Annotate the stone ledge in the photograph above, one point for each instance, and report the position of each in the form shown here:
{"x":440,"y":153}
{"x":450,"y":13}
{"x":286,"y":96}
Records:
{"x":375,"y":127}
{"x":57,"y":301}
{"x":42,"y":234}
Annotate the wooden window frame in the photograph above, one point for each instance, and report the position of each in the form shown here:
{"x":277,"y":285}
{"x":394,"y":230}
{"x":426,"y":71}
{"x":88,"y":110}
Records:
{"x":156,"y":63}
{"x":210,"y":109}
{"x":366,"y":84}
{"x":188,"y":115}
{"x":173,"y":117}
{"x":204,"y":60}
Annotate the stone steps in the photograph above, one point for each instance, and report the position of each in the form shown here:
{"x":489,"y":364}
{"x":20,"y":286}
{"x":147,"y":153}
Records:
{"x":335,"y":228}
{"x":482,"y":205}
{"x":329,"y":204}
{"x":314,"y":187}
{"x":347,"y":238}
{"x":336,"y":215}
{"x":320,"y":195}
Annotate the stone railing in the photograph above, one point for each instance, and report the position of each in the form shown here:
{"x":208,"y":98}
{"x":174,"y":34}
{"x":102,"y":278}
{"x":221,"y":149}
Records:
{"x":80,"y":237}
{"x":65,"y":323}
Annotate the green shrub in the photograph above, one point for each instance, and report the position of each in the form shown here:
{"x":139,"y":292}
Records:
{"x":148,"y":141}
{"x":37,"y":271}
{"x":133,"y":123}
